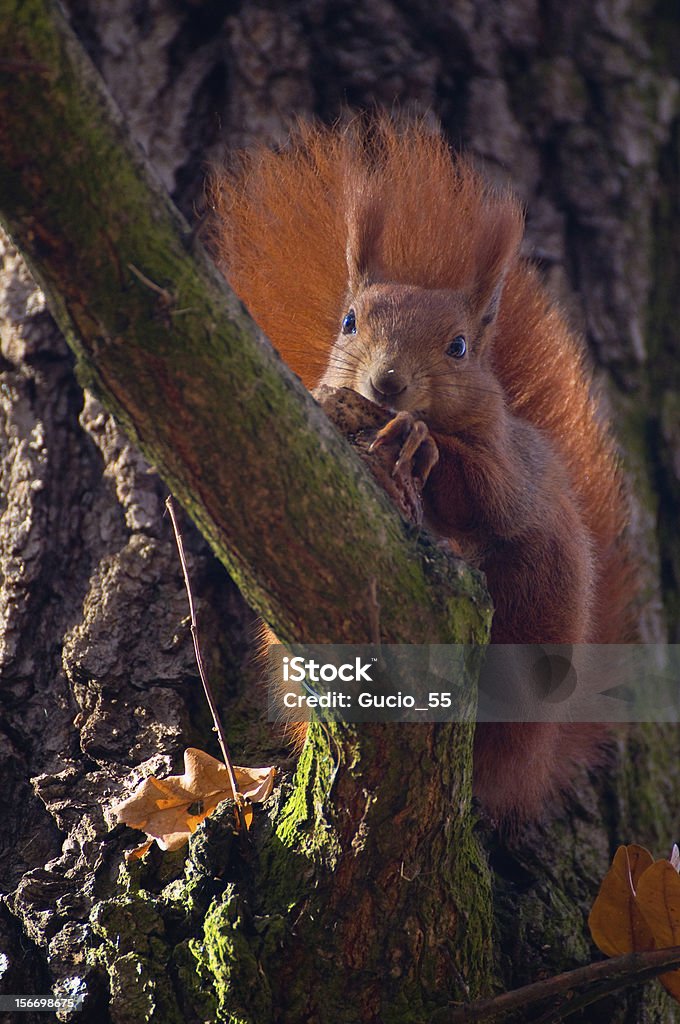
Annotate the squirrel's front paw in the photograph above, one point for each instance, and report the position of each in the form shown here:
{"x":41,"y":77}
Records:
{"x":419,"y":453}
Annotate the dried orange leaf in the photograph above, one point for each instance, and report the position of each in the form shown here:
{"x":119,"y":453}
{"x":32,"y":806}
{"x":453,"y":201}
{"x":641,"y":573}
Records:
{"x":255,"y":783}
{"x":138,"y":851}
{"x":659,"y":901}
{"x":615,"y":921}
{"x":169,"y":810}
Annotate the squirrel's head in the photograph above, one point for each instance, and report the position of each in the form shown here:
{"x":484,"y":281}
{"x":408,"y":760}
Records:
{"x":417,"y":328}
{"x":425,"y":351}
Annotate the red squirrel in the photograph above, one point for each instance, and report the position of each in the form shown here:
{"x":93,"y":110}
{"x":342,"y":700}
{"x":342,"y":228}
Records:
{"x":375,"y":259}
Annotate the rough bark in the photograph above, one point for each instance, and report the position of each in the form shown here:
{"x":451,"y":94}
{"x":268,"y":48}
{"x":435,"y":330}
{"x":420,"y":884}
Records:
{"x":161,"y":340}
{"x":175,"y":395}
{"x":577,"y":105}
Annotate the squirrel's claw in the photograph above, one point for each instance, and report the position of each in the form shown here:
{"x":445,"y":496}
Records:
{"x":419,"y":453}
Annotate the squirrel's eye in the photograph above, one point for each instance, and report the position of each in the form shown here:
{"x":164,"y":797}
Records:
{"x":349,"y":323}
{"x":457,"y":348}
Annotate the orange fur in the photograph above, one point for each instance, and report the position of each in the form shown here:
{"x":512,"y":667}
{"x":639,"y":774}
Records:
{"x":381,"y":216}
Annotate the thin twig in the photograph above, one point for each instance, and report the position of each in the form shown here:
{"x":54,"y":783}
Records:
{"x":607,"y":975}
{"x":163,"y":292}
{"x":169,"y":504}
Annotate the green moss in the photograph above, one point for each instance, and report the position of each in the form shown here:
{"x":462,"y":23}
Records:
{"x":135,"y":954}
{"x":145,"y":931}
{"x":225,"y":956}
{"x":195,"y":981}
{"x":130,"y":922}
{"x":305,"y":809}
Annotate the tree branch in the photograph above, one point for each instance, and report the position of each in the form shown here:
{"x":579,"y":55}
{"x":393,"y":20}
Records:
{"x":599,"y":979}
{"x":280,"y":497}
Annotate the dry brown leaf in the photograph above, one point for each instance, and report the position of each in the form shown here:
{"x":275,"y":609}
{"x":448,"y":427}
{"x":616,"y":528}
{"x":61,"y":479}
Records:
{"x":638,"y":907}
{"x":615,"y":921}
{"x":659,"y":901}
{"x":169,"y":810}
{"x":255,"y":784}
{"x":139,"y":851}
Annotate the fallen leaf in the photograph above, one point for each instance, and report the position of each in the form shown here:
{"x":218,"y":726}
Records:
{"x":169,"y":810}
{"x":255,"y":784}
{"x":139,"y":851}
{"x":615,"y":921}
{"x":638,"y":907}
{"x":658,"y":897}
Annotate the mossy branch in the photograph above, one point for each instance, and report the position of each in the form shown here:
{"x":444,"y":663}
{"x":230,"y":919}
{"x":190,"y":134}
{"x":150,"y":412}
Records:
{"x":281,"y":498}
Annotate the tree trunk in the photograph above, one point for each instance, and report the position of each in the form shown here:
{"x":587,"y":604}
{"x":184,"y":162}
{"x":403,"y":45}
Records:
{"x":578,"y":107}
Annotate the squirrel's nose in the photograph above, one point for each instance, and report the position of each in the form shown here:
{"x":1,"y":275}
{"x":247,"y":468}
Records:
{"x":388,"y":383}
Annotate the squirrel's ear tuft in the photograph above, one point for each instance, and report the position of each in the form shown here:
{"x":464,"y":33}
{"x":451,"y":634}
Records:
{"x":365,"y":222}
{"x":498,"y":246}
